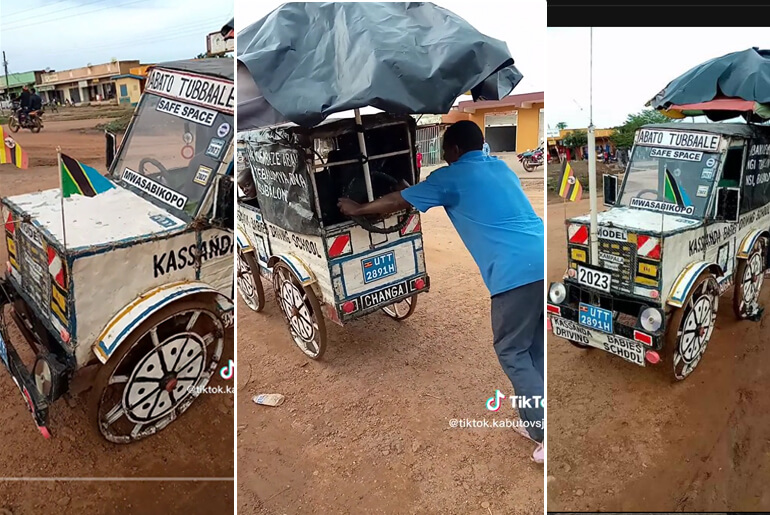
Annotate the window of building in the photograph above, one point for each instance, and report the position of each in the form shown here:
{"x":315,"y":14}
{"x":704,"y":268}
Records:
{"x":123,"y":90}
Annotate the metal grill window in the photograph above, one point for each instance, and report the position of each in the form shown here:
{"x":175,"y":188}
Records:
{"x":619,"y":257}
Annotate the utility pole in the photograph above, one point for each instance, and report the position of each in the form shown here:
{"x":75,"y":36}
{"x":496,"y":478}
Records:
{"x":7,"y":85}
{"x":594,"y":241}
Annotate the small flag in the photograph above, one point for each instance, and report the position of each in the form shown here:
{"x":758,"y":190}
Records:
{"x":673,"y":193}
{"x":569,"y":186}
{"x":79,"y":179}
{"x":11,"y":152}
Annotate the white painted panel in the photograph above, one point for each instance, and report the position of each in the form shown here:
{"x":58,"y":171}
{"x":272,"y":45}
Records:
{"x":501,"y":120}
{"x":105,"y":283}
{"x":115,"y":215}
{"x":353,"y":272}
{"x":217,"y":269}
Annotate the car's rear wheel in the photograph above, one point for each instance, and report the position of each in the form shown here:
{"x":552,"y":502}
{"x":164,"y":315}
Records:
{"x":301,"y":310}
{"x":749,"y":277}
{"x":403,"y":309}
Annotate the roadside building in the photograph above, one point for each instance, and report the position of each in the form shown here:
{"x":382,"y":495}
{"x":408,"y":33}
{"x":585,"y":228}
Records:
{"x":558,"y":150}
{"x":92,"y":83}
{"x":16,"y":81}
{"x":512,"y":124}
{"x":131,"y":85}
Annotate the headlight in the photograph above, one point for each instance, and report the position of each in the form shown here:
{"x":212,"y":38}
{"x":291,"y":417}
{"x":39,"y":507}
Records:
{"x":651,"y":319}
{"x":557,"y":293}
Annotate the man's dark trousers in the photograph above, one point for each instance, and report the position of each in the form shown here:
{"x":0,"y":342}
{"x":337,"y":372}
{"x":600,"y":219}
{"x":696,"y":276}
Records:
{"x":518,"y":325}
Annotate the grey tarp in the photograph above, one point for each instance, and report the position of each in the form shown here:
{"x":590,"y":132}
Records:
{"x":744,"y":75}
{"x":310,"y":60}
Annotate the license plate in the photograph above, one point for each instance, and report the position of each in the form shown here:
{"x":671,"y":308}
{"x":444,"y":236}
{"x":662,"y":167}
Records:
{"x":622,"y":347}
{"x":386,"y":295}
{"x":3,"y":351}
{"x":594,"y":278}
{"x":595,"y":318}
{"x":377,"y":267}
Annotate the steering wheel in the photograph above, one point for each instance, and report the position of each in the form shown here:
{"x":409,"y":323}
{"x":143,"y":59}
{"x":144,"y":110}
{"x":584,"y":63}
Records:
{"x":356,"y":191}
{"x":655,"y":192}
{"x":154,"y":162}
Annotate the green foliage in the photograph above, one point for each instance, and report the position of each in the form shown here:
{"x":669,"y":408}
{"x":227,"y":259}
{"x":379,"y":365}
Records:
{"x":623,"y":137}
{"x":561,"y":125}
{"x":576,"y":139}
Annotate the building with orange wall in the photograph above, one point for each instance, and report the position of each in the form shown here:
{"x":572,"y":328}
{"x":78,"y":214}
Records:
{"x":513,"y":124}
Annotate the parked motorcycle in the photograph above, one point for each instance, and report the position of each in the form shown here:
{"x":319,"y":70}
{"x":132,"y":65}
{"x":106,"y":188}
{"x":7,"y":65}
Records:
{"x":531,"y":159}
{"x":32,"y":120}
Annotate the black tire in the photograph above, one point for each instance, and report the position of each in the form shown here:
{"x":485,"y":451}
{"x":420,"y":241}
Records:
{"x":701,"y":306}
{"x":580,"y":345}
{"x":393,"y":310}
{"x":13,"y":124}
{"x":36,"y":125}
{"x":301,"y":311}
{"x":749,"y":276}
{"x":136,"y":356}
{"x":250,"y":282}
{"x":527,"y":165}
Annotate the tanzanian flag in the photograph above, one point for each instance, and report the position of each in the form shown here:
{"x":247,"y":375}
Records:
{"x":79,"y":179}
{"x":11,"y":152}
{"x":673,"y":192}
{"x":569,"y":186}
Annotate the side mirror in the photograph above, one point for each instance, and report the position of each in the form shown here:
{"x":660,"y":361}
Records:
{"x":728,"y":204}
{"x":224,"y":203}
{"x":111,"y":146}
{"x":610,"y":185}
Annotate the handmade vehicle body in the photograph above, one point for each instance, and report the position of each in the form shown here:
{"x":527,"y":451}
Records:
{"x":322,"y":264}
{"x":691,"y":219}
{"x":132,"y":297}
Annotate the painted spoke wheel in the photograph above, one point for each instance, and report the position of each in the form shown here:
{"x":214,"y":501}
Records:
{"x":750,"y":275}
{"x":249,"y":282}
{"x":403,"y":309}
{"x":692,"y":326}
{"x":301,"y":310}
{"x":157,"y":374}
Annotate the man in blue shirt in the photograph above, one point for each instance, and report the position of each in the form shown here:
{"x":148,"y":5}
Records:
{"x":487,"y":206}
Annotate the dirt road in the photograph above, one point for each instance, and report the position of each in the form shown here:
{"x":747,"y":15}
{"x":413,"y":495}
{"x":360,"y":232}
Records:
{"x":625,"y":438}
{"x":199,"y":444}
{"x":366,"y":430}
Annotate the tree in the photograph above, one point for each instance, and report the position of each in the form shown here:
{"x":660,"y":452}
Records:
{"x":576,"y":139}
{"x":561,"y":125}
{"x":623,"y":137}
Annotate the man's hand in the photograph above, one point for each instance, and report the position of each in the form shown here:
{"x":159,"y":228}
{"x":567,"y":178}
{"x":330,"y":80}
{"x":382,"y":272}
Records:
{"x":348,"y":207}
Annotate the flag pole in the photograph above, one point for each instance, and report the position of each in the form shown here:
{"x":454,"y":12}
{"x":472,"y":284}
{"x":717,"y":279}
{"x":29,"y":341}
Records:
{"x":592,"y":159}
{"x":61,"y":198}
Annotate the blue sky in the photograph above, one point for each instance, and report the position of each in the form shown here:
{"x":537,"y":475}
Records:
{"x":65,"y":34}
{"x":631,"y":65}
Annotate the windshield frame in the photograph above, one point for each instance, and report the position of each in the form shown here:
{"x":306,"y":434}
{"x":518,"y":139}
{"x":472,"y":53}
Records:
{"x":698,"y":214}
{"x":117,"y":167}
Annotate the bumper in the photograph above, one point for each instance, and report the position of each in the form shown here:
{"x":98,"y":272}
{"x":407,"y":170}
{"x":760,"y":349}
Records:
{"x":36,"y":402}
{"x":628,"y":339}
{"x":356,"y":307}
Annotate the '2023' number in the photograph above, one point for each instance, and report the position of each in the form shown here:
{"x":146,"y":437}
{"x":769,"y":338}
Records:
{"x":594,"y":278}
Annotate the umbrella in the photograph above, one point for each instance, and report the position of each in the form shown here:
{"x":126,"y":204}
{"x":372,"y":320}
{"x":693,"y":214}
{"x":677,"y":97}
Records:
{"x":309,"y":60}
{"x":228,"y":29}
{"x":721,"y":88}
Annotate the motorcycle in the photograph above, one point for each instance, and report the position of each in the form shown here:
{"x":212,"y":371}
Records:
{"x":531,"y":159}
{"x":32,"y":120}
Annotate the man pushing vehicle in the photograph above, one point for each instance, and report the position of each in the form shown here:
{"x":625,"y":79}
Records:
{"x":487,"y":206}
